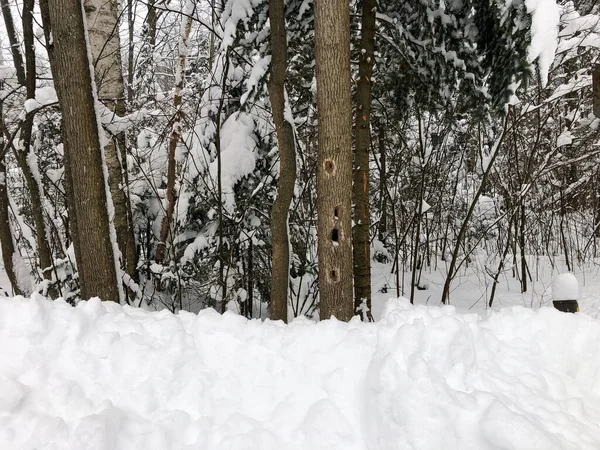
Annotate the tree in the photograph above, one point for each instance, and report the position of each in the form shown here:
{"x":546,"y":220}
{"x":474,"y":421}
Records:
{"x":23,"y":149}
{"x":103,"y":37}
{"x":83,"y":152}
{"x":287,"y":164}
{"x":334,"y":172}
{"x":6,"y":235}
{"x":362,"y":211}
{"x":176,"y":129}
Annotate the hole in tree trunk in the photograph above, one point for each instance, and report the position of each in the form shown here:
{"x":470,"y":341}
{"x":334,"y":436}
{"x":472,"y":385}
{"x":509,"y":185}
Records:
{"x":335,"y":237}
{"x":333,"y":275}
{"x":336,"y":214}
{"x":329,"y":166}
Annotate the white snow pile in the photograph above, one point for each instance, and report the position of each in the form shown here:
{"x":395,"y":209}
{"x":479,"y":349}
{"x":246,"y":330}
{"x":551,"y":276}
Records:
{"x":565,"y":287}
{"x":102,"y":376}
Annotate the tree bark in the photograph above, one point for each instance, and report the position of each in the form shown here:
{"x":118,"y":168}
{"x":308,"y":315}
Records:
{"x":14,"y":42}
{"x":383,"y":221}
{"x":334,"y":172}
{"x":103,"y":37}
{"x":362,"y":217}
{"x":72,"y":222}
{"x":6,"y":236}
{"x":287,"y":165}
{"x":130,"y":51}
{"x":73,"y":80}
{"x":23,"y":150}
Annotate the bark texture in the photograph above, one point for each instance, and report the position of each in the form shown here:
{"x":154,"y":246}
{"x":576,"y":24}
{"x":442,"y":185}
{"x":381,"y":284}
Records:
{"x":103,"y":26}
{"x":73,"y":81}
{"x":6,"y":236}
{"x":23,"y":152}
{"x":287,"y":164}
{"x":362,"y":218}
{"x":334,"y":173}
{"x":14,"y":41}
{"x":73,"y":233}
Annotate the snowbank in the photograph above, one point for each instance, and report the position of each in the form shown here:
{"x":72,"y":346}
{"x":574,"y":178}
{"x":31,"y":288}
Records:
{"x":101,"y":376}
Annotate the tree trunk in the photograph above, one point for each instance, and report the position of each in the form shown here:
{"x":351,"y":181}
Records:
{"x":6,"y":236}
{"x":334,"y":172}
{"x":26,"y":161}
{"x":453,"y":268}
{"x":383,"y":221}
{"x":287,"y":165}
{"x":14,"y":42}
{"x":522,"y":248}
{"x":176,"y":128}
{"x":130,"y":50}
{"x":103,"y":37}
{"x":72,"y":222}
{"x":71,"y":72}
{"x":362,"y":216}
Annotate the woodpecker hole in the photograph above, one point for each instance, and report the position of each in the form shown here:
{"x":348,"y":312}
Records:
{"x":333,"y":276}
{"x":336,"y":214}
{"x":335,"y":236}
{"x":329,"y":166}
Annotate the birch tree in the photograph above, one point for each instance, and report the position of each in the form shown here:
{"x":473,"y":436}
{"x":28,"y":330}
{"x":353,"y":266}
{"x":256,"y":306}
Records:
{"x":103,"y":36}
{"x":176,"y":128}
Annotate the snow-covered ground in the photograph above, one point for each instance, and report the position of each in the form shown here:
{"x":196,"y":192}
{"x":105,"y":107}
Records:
{"x":102,"y":376}
{"x":472,"y":287}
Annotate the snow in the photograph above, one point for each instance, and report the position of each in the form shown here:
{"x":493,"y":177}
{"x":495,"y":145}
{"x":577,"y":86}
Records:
{"x":236,"y":11}
{"x":565,"y":287}
{"x":578,"y":31}
{"x":259,"y":69}
{"x":238,"y":157}
{"x":545,"y":17}
{"x":104,"y":376}
{"x":43,"y":96}
{"x":565,"y":138}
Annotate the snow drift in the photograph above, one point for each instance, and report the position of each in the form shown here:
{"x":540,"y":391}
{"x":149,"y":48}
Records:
{"x":101,"y":376}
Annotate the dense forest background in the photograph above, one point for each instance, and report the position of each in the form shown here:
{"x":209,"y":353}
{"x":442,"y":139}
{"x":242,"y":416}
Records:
{"x":195,"y":165}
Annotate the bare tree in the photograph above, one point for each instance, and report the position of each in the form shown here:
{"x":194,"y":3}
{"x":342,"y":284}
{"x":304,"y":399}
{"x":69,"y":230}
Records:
{"x":176,"y":128}
{"x":362,"y":213}
{"x":287,"y":164}
{"x":334,"y":172}
{"x":103,"y":37}
{"x":70,"y":63}
{"x":6,"y":235}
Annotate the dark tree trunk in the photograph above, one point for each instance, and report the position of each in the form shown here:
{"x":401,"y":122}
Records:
{"x":14,"y":42}
{"x":287,"y":165}
{"x":23,"y":150}
{"x":362,"y":216}
{"x":72,"y":222}
{"x":522,"y":248}
{"x":383,"y":221}
{"x":71,"y":71}
{"x":6,"y":236}
{"x":334,"y":172}
{"x":130,"y":51}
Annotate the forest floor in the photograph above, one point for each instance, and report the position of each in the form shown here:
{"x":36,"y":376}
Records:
{"x":472,"y":287}
{"x":103,"y":376}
